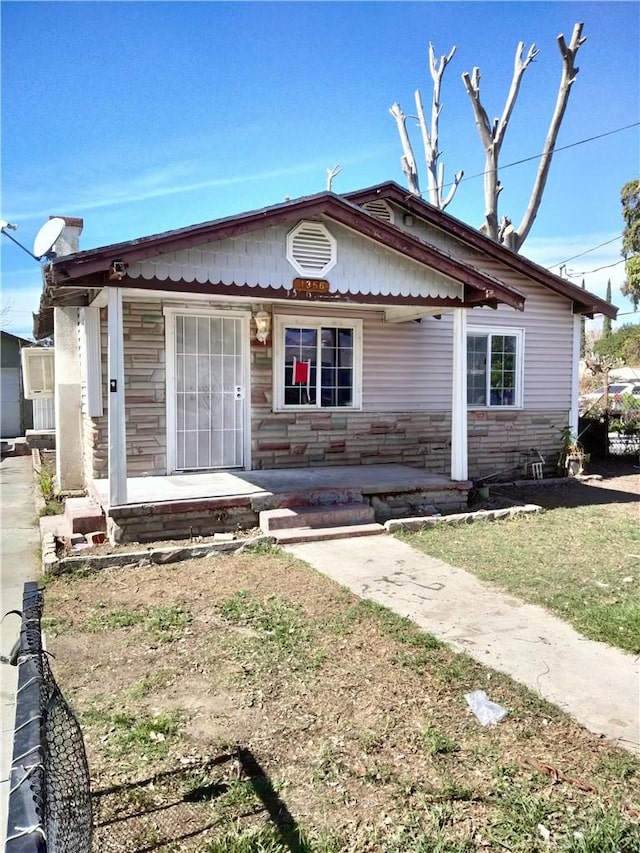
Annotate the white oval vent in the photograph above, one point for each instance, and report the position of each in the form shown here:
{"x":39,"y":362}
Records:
{"x":380,"y":209}
{"x":311,"y":249}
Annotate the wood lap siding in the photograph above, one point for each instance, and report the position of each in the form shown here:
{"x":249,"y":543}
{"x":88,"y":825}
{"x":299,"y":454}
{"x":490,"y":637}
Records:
{"x":407,"y":366}
{"x":547,"y":320}
{"x":548,"y":324}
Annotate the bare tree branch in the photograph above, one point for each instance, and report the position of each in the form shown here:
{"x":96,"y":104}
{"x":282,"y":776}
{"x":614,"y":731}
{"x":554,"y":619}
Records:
{"x":407,"y":160}
{"x":520,"y":65}
{"x":487,"y":136}
{"x":435,"y":172}
{"x":492,"y":137}
{"x":569,"y":73}
{"x":452,"y":189}
{"x":331,"y":174}
{"x":429,"y":134}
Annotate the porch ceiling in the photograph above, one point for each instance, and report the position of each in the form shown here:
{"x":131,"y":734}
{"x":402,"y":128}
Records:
{"x":368,"y":479}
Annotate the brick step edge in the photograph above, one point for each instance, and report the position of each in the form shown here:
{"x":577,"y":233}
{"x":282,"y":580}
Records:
{"x":293,"y":536}
{"x":331,"y":515}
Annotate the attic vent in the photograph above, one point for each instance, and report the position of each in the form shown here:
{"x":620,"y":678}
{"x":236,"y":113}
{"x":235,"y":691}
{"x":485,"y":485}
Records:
{"x":37,"y":372}
{"x":380,"y":209}
{"x":311,"y":249}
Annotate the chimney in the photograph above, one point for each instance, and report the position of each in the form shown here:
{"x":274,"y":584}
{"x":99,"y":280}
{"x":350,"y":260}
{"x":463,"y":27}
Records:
{"x":69,"y":241}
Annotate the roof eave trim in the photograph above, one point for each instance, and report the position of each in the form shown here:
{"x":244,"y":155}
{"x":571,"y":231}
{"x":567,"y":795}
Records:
{"x":64,"y":270}
{"x":470,"y":235}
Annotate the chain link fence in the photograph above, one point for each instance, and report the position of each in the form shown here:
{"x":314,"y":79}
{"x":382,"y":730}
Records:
{"x":49,"y":795}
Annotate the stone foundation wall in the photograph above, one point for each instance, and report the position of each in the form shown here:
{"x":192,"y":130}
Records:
{"x":180,"y":521}
{"x":205,"y":517}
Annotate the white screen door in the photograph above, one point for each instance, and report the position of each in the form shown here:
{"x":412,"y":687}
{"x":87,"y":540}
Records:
{"x":209,"y":390}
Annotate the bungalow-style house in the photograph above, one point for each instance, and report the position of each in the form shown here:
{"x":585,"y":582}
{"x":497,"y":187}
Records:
{"x":366,"y":337}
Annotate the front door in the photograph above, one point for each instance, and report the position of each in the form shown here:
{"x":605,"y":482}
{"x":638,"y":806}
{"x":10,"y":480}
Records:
{"x":209,"y":399}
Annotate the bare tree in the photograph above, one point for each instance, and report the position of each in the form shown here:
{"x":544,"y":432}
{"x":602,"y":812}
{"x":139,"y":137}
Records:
{"x":435,"y":169}
{"x":492,"y":137}
{"x":331,"y":174}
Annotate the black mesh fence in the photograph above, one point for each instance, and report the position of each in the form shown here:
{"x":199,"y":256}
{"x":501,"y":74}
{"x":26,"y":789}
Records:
{"x":49,"y":797}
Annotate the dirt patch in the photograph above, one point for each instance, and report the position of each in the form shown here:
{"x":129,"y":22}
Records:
{"x":602,"y":483}
{"x":246,"y":702}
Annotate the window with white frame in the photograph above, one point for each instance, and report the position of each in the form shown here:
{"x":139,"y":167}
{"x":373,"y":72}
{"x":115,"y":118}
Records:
{"x":494,"y":367}
{"x":317,"y":363}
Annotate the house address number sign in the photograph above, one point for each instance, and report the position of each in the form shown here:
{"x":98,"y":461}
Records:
{"x":311,"y":285}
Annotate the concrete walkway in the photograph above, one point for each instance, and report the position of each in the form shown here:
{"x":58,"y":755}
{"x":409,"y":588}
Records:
{"x":599,"y":686}
{"x":19,"y":543}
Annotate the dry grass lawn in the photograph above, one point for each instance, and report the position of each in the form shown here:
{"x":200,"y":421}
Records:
{"x":246,"y":703}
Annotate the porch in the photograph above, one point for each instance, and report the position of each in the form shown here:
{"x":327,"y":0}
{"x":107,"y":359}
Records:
{"x":201,"y":504}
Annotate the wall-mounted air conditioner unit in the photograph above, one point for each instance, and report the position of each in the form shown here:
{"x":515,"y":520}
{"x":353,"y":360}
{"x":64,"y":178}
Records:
{"x":37,"y":372}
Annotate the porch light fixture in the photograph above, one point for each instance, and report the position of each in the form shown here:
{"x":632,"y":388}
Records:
{"x":263,"y":325}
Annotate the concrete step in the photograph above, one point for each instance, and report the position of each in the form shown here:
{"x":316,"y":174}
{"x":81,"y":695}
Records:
{"x":331,"y":515}
{"x":291,"y":536}
{"x":84,"y":515}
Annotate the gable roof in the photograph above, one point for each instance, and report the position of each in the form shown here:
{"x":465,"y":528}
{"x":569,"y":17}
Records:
{"x":584,"y":302}
{"x":84,"y":269}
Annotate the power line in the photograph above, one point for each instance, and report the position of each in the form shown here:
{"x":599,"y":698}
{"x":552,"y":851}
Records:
{"x":557,"y":148}
{"x":586,"y":252}
{"x":597,"y":269}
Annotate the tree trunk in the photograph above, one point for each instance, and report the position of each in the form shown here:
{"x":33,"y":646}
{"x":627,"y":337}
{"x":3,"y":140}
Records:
{"x":492,"y":137}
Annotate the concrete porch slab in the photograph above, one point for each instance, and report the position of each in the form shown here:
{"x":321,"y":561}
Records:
{"x":201,"y":504}
{"x":367,"y":479}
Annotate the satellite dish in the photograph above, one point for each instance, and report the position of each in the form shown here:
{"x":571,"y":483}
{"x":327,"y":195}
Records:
{"x":47,"y":236}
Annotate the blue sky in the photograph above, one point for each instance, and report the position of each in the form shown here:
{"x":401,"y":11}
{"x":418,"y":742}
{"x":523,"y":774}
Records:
{"x":142,"y":117}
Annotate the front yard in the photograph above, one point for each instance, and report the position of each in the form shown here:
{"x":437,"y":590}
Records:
{"x":579,"y":559}
{"x":246,"y":703}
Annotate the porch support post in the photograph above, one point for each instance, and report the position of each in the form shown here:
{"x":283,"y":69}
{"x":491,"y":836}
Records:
{"x":68,"y":401}
{"x":117,"y":431}
{"x":575,"y":374}
{"x":459,"y":449}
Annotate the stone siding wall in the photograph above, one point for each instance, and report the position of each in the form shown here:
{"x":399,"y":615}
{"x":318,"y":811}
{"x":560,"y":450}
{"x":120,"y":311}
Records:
{"x":500,"y":441}
{"x":300,"y":439}
{"x":144,"y":375}
{"x":145,"y":389}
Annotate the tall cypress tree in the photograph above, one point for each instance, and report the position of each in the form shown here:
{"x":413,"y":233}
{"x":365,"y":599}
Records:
{"x":606,"y":323}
